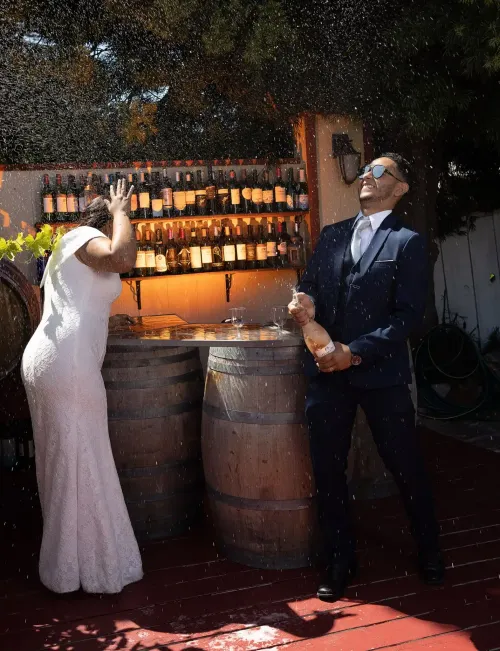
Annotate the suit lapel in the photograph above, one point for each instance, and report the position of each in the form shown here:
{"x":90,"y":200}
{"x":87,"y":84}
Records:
{"x":378,"y":241}
{"x":342,"y":239}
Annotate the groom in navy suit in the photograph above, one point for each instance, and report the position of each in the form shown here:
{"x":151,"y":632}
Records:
{"x":366,"y":284}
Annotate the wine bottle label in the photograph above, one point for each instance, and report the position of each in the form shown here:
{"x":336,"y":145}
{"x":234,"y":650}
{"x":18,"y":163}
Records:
{"x":134,"y":204}
{"x":303,"y":202}
{"x":267,"y":196}
{"x":252,"y":251}
{"x":241,"y":251}
{"x":82,"y":203}
{"x":195,"y":253}
{"x":140,"y":260}
{"x":190,"y":197}
{"x":172,"y":261}
{"x":180,"y":200}
{"x":280,"y":194}
{"x":206,"y":255}
{"x":247,"y":193}
{"x":150,"y":259}
{"x":223,"y":197}
{"x":256,"y":195}
{"x":157,"y":207}
{"x":289,"y":202}
{"x":161,"y":263}
{"x":282,"y":248}
{"x":293,"y":255}
{"x":329,"y":348}
{"x":144,"y":200}
{"x":271,"y":249}
{"x":210,"y":189}
{"x":217,"y":257}
{"x":72,"y":203}
{"x":201,"y":202}
{"x":184,"y":257}
{"x":168,"y":200}
{"x":200,"y":192}
{"x":229,"y":253}
{"x":48,"y":204}
{"x":235,"y":197}
{"x":261,"y":251}
{"x":62,"y":203}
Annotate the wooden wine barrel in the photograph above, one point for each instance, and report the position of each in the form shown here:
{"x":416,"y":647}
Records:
{"x":256,"y":456}
{"x":154,"y":411}
{"x":19,"y":317}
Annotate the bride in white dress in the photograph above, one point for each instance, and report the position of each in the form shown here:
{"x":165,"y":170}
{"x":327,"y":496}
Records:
{"x":88,"y":540}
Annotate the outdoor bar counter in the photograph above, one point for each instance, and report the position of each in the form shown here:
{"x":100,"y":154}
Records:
{"x":238,"y":436}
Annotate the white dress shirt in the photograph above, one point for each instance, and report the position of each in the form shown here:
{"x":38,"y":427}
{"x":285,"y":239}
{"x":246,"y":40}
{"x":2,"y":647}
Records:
{"x":366,"y":234}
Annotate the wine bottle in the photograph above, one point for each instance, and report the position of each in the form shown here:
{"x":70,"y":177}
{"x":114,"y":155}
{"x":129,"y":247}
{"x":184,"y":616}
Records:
{"x":167,"y":196}
{"x":190,"y":196}
{"x":183,"y":255}
{"x":149,"y":254}
{"x":296,"y":255}
{"x":272,"y":246}
{"x":234,"y":188}
{"x":61,"y":200}
{"x":140,"y":260}
{"x":72,"y":199}
{"x":160,"y":259}
{"x":246,"y":193}
{"x":291,"y":191}
{"x":229,"y":250}
{"x":144,"y":196}
{"x":267,"y":193}
{"x":241,"y":250}
{"x":283,"y":242}
{"x":218,"y":260}
{"x":261,"y":248}
{"x":48,"y":212}
{"x":195,"y":252}
{"x":303,"y":191}
{"x":200,"y":194}
{"x":134,"y":197}
{"x":206,"y":251}
{"x":156,"y":197}
{"x":279,"y":192}
{"x":251,"y":252}
{"x":257,"y":201}
{"x":222,"y":193}
{"x":211,"y":193}
{"x":316,"y":338}
{"x":81,"y":195}
{"x":172,"y":254}
{"x":179,"y":196}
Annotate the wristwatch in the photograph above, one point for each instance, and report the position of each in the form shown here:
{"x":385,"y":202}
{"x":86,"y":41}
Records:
{"x":355,"y":360}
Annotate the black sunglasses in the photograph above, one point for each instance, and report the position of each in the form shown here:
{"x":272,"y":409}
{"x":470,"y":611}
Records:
{"x":377,"y":171}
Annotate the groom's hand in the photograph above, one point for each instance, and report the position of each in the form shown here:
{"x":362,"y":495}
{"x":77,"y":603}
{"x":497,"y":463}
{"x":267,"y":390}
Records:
{"x":339,"y":360}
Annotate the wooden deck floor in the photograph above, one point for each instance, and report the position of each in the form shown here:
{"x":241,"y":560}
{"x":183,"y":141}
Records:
{"x":192,"y":598}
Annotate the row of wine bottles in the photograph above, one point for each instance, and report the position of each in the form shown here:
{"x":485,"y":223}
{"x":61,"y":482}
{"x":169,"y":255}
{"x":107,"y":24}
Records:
{"x":221,"y":252}
{"x":155,"y":197}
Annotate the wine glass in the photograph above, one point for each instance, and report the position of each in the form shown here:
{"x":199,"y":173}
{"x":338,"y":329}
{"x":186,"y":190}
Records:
{"x":279,"y":316}
{"x":237,"y":318}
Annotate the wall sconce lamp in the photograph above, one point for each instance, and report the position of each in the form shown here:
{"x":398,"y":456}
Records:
{"x":349,"y":158}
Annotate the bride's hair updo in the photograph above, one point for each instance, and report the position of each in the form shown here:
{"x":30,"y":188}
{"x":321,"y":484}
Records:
{"x":96,"y":214}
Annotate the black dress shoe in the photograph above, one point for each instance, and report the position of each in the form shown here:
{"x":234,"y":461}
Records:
{"x":431,"y":567}
{"x":335,"y":580}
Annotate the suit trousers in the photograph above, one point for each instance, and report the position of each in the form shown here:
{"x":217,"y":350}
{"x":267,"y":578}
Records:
{"x":331,"y":405}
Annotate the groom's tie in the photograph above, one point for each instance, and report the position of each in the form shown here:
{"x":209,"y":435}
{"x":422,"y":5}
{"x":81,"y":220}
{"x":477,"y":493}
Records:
{"x":359,"y":241}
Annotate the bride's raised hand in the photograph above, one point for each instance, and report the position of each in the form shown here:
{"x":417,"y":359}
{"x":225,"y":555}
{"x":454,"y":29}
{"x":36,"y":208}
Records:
{"x":119,"y":200}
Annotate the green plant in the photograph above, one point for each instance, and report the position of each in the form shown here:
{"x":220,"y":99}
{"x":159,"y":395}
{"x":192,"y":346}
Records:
{"x":44,"y":240}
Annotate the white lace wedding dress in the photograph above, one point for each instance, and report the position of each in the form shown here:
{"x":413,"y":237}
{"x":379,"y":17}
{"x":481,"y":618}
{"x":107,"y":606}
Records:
{"x":88,"y":540}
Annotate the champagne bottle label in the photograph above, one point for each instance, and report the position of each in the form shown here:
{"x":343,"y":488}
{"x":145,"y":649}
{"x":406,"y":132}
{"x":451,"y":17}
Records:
{"x":289,"y":202}
{"x":195,"y":253}
{"x":256,"y":195}
{"x":267,"y":196}
{"x":172,"y":261}
{"x":82,"y":203}
{"x":168,"y":200}
{"x":271,"y":249}
{"x":241,"y":251}
{"x":62,"y":203}
{"x":140,"y":260}
{"x":133,"y":203}
{"x":282,"y":248}
{"x":190,"y":197}
{"x":303,"y":201}
{"x":161,"y":263}
{"x":157,"y":207}
{"x":247,"y":193}
{"x":229,"y":253}
{"x":144,"y":200}
{"x":180,"y":200}
{"x":252,"y":251}
{"x":280,"y":193}
{"x":329,"y":348}
{"x":206,"y":254}
{"x":72,"y":203}
{"x":261,"y":251}
{"x":48,"y":204}
{"x":235,"y":197}
{"x":150,"y":259}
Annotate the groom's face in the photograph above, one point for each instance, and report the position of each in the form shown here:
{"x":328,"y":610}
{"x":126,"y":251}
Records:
{"x":386,"y":190}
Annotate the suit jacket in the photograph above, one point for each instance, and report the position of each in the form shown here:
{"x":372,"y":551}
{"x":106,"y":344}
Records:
{"x":385,"y":300}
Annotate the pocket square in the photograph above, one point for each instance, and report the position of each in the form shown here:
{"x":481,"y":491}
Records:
{"x":378,"y":261}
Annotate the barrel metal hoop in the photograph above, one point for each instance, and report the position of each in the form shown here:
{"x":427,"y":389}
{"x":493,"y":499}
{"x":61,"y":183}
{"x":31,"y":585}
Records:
{"x":152,"y":471}
{"x":154,"y":383}
{"x":257,"y":418}
{"x":133,"y":362}
{"x":154,"y":412}
{"x":192,"y":489}
{"x":251,"y":504}
{"x":232,"y":367}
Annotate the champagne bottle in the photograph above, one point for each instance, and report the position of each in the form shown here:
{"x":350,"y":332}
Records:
{"x":316,"y":338}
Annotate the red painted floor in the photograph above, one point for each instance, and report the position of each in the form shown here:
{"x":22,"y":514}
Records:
{"x":192,"y":598}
